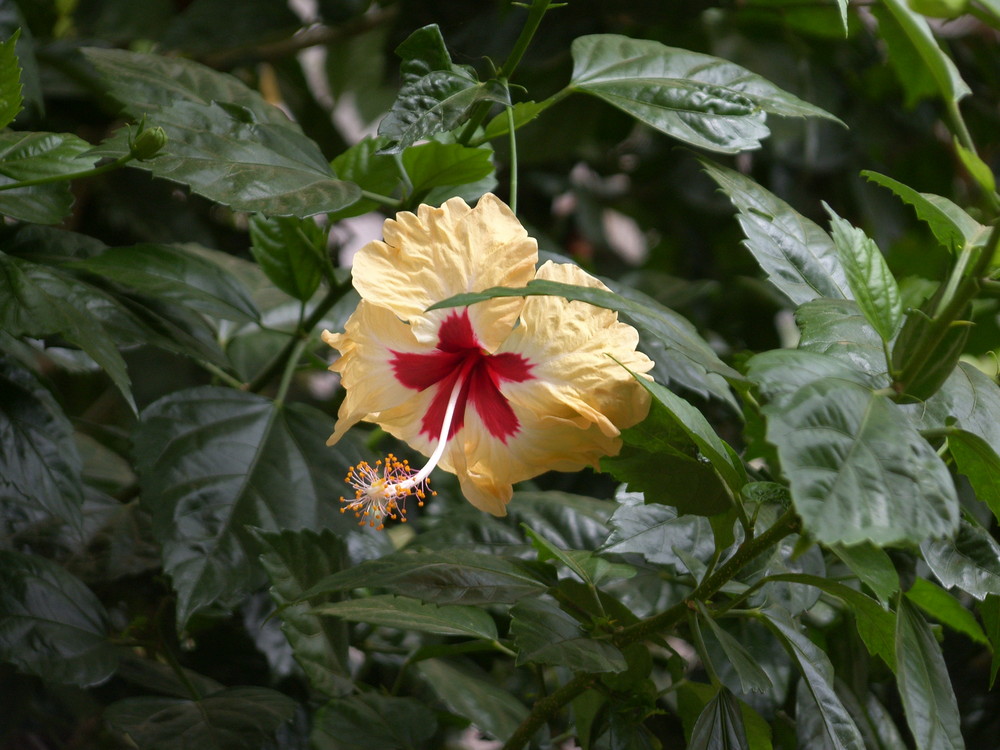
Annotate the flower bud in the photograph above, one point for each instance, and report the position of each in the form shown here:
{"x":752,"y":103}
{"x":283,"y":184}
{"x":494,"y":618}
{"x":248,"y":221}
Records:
{"x":148,"y":143}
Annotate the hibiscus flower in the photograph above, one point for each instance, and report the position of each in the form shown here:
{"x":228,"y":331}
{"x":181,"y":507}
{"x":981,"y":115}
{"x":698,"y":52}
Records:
{"x":496,"y":392}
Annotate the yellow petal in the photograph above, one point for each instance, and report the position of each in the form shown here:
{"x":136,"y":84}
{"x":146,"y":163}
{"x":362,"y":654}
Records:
{"x":366,"y":351}
{"x":572,"y":347}
{"x":440,"y":252}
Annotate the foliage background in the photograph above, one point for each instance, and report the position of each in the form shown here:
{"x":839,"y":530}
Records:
{"x":135,"y":623}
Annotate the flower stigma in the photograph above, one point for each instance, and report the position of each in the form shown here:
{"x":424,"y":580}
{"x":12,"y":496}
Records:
{"x":380,"y":491}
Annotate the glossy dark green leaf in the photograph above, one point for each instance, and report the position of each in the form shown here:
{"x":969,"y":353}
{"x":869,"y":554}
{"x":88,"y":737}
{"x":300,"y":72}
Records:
{"x":946,"y":76}
{"x":661,"y":536}
{"x":980,"y":464}
{"x":423,"y":51}
{"x":294,"y":561}
{"x":989,"y":610}
{"x":752,"y":678}
{"x":39,"y":463}
{"x":924,"y":685}
{"x":875,"y":624}
{"x":170,"y":272}
{"x":872,"y":566}
{"x":435,"y":103}
{"x":798,"y":257}
{"x":694,"y":697}
{"x":51,"y":625}
{"x":213,"y":461}
{"x":837,"y":328}
{"x":10,"y":81}
{"x":240,"y":718}
{"x":970,"y":561}
{"x":373,"y":171}
{"x":411,"y":614}
{"x":697,"y":98}
{"x":720,"y":725}
{"x":858,"y":469}
{"x":781,"y":372}
{"x":29,"y":156}
{"x":969,"y":399}
{"x":946,"y":609}
{"x":291,"y":251}
{"x":871,"y":282}
{"x":524,"y":112}
{"x":949,"y":223}
{"x":434,"y":164}
{"x":474,"y":695}
{"x":544,"y":634}
{"x":817,"y":674}
{"x":40,"y":301}
{"x":224,"y":140}
{"x":447,"y":577}
{"x":369,"y":721}
{"x":660,"y":322}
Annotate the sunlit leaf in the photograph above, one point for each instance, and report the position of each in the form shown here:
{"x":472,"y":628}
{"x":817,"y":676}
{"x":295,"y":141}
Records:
{"x":858,"y":469}
{"x":697,"y":98}
{"x":798,"y":257}
{"x":836,"y":327}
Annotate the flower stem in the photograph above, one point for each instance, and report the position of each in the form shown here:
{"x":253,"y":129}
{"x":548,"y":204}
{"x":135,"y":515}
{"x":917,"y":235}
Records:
{"x":547,"y":707}
{"x":513,"y":159}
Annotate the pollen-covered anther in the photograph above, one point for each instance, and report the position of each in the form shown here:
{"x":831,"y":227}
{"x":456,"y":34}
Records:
{"x":380,"y":491}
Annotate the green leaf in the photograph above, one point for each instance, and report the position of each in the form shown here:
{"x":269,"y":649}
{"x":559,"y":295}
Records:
{"x":752,"y":678}
{"x":39,"y":464}
{"x":872,"y":566}
{"x":373,"y":171}
{"x":872,"y":284}
{"x":43,"y":302}
{"x":875,"y":624}
{"x":798,"y":257}
{"x":969,"y":561}
{"x":817,"y":673}
{"x":976,"y":167}
{"x":475,"y":696}
{"x":660,"y":534}
{"x":240,"y":718}
{"x":981,"y":465}
{"x":213,"y":461}
{"x":294,"y":561}
{"x":448,"y":577}
{"x":434,"y":164}
{"x":548,"y":551}
{"x":699,"y":99}
{"x":924,"y":685}
{"x":224,"y":140}
{"x":51,"y":625}
{"x":291,"y":251}
{"x":720,"y":725}
{"x":989,"y":610}
{"x":31,"y":156}
{"x":10,"y":81}
{"x":411,"y":614}
{"x":949,"y":223}
{"x":946,"y":76}
{"x":435,"y":103}
{"x":369,"y":721}
{"x":837,"y":328}
{"x":524,"y":112}
{"x":170,"y":272}
{"x":544,"y":634}
{"x":858,"y":469}
{"x":946,"y":609}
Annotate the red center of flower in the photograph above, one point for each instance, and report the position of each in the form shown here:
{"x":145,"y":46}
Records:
{"x":459,"y":356}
